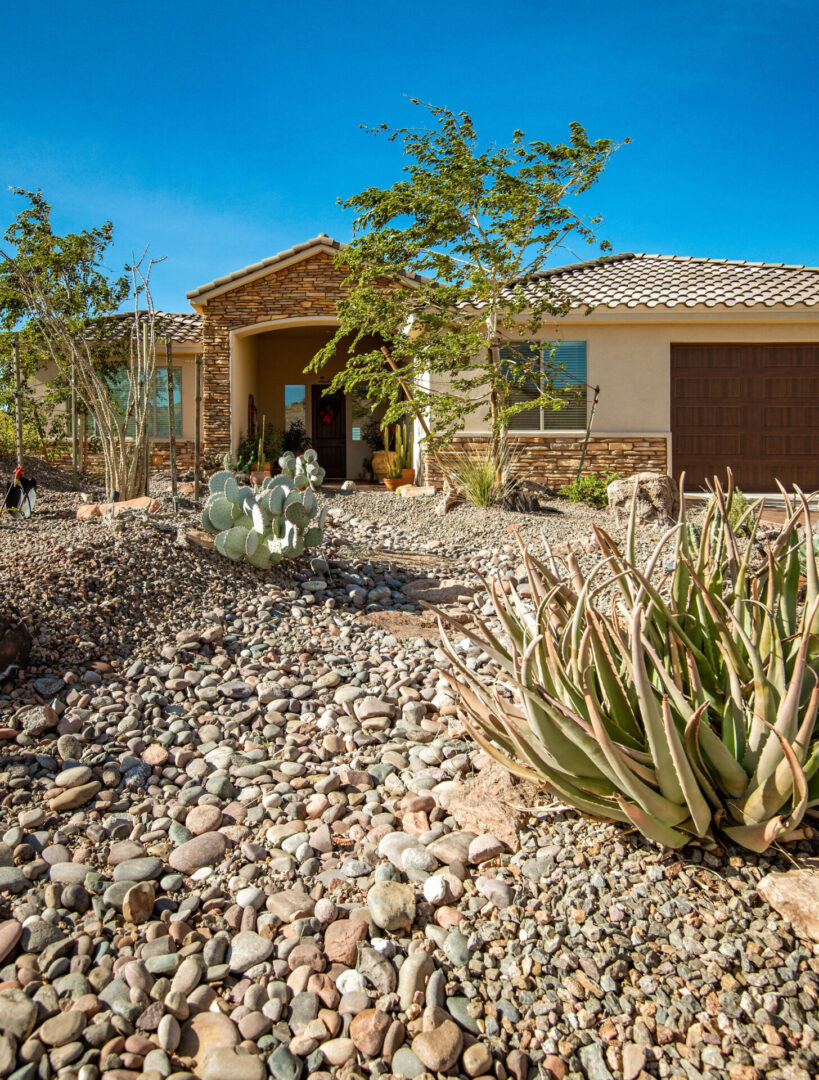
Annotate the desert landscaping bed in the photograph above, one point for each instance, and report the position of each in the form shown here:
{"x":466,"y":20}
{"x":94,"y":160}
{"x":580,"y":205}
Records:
{"x":244,"y":832}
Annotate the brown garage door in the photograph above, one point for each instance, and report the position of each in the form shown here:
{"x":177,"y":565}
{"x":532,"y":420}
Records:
{"x":751,"y":407}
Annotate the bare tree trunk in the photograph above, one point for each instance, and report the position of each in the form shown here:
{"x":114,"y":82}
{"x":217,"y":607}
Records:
{"x":74,"y":431}
{"x":171,"y":416}
{"x":18,"y":400}
{"x":41,"y":431}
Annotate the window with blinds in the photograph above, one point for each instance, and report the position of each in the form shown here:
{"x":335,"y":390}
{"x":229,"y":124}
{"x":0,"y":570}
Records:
{"x":158,"y":426}
{"x":563,"y":364}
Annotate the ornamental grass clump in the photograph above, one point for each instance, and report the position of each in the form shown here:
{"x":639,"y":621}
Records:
{"x":679,"y":695}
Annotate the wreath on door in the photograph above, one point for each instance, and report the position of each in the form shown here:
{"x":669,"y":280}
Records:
{"x":327,"y":414}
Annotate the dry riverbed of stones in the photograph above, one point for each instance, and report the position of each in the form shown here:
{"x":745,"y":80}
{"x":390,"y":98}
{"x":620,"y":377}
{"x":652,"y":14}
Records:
{"x":246,"y":836}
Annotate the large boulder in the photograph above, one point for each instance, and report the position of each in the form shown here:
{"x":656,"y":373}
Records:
{"x":658,"y":497}
{"x":795,"y":895}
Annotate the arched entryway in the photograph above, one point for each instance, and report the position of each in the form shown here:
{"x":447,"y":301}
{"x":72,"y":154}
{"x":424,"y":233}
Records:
{"x":268,"y":382}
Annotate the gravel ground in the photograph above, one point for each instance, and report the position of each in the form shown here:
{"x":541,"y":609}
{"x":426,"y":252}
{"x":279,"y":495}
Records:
{"x":242,"y":834}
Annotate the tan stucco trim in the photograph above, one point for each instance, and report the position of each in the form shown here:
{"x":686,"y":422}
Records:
{"x":280,"y":324}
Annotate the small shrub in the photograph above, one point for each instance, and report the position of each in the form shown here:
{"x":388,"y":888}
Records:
{"x":295,"y":439}
{"x":481,"y":479}
{"x":590,"y":489}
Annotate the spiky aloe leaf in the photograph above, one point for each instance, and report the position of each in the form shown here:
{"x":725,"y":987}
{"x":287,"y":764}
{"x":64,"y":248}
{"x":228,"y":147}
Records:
{"x":218,"y":480}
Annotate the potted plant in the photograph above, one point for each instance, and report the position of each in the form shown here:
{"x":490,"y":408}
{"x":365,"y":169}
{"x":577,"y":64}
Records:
{"x":407,"y":471}
{"x":397,"y":472}
{"x":373,"y":436}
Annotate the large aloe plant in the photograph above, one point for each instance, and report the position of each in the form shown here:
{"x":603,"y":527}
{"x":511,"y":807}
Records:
{"x":689,"y":705}
{"x":269,"y":523}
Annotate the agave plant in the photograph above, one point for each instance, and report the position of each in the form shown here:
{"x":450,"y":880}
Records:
{"x":269,"y":523}
{"x":689,"y":706}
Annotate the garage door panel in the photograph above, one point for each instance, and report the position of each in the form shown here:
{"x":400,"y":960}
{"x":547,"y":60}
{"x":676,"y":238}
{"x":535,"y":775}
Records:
{"x":784,"y":416}
{"x":793,"y":446}
{"x":714,"y":446}
{"x":753,"y":408}
{"x":697,"y":416}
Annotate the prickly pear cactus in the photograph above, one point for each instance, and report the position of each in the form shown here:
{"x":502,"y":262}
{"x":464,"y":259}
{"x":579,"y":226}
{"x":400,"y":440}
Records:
{"x":304,"y":471}
{"x":266,"y":524}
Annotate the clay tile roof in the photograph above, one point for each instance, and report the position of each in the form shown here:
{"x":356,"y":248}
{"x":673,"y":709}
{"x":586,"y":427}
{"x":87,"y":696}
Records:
{"x":183,"y":326}
{"x":322,"y":240}
{"x":630,"y":280}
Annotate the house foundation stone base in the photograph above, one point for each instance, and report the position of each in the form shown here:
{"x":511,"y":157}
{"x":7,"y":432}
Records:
{"x":553,"y":460}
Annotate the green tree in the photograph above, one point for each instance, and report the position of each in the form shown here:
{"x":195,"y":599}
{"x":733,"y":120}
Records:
{"x":57,"y":291}
{"x":443,"y":268}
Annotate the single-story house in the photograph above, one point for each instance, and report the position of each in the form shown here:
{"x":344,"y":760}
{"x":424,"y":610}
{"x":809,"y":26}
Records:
{"x":701,"y":364}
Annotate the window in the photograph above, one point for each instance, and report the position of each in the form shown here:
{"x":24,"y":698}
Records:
{"x":569,"y":358}
{"x":158,"y":419}
{"x":295,"y":404}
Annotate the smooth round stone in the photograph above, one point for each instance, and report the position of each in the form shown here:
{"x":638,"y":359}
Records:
{"x":70,"y":778}
{"x":205,"y":850}
{"x":252,"y":896}
{"x":350,"y":982}
{"x":207,"y":1031}
{"x":418,"y":860}
{"x":392,"y":905}
{"x":140,"y":869}
{"x":138,"y":903}
{"x":283,"y":1065}
{"x":436,"y":890}
{"x":122,"y":850}
{"x":69,"y":873}
{"x":440,"y":1048}
{"x":10,"y":933}
{"x":203,"y":819}
{"x":248,"y":949}
{"x":62,"y":1028}
{"x":338,"y":1051}
{"x":456,"y":948}
{"x":405,"y":1063}
{"x":477,"y":1060}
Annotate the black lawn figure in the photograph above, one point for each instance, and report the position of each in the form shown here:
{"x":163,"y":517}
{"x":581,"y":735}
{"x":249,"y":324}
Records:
{"x":21,"y":494}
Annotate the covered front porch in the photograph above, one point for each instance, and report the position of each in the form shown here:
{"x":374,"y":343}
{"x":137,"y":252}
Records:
{"x":269,"y":384}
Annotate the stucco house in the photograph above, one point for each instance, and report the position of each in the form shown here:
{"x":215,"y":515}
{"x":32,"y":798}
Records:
{"x":701,"y":364}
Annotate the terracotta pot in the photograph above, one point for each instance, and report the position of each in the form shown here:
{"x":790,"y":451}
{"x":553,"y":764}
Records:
{"x":392,"y":482}
{"x":408,"y":476}
{"x":381,"y":465}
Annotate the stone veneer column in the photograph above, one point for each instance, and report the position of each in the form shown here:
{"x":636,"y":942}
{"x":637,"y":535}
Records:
{"x":311,"y":287}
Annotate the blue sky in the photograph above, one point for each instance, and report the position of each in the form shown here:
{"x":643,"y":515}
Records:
{"x":221,"y":135}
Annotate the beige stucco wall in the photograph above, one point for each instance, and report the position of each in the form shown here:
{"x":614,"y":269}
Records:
{"x":183,"y":357}
{"x":263,"y":363}
{"x":628,"y":354}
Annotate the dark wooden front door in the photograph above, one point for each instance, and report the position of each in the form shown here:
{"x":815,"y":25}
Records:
{"x":330,"y":431}
{"x":751,"y":407}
